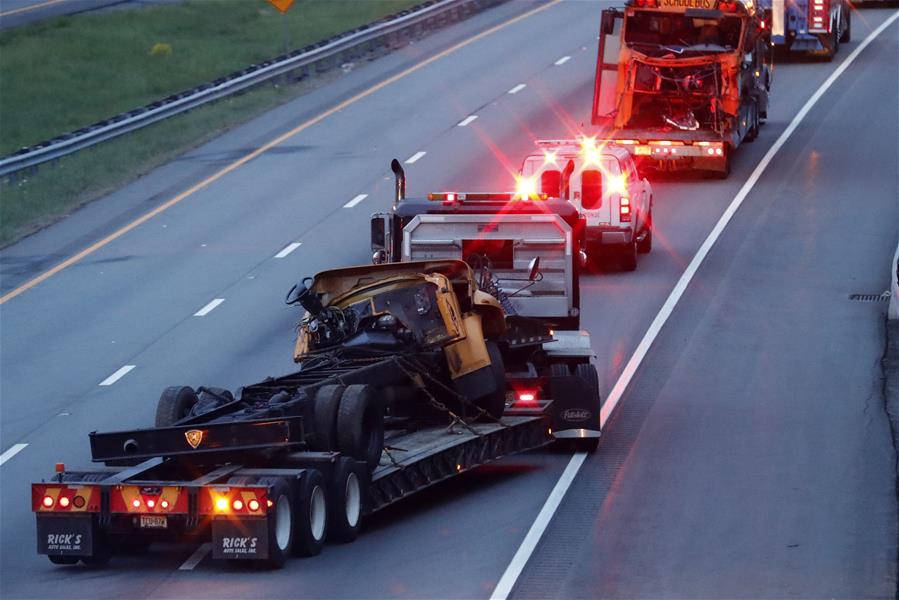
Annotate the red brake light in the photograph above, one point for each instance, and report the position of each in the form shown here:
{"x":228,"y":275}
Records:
{"x":135,"y":503}
{"x":47,"y":501}
{"x":253,"y":505}
{"x":164,"y":504}
{"x":151,"y":503}
{"x":64,"y":501}
{"x":237,"y":504}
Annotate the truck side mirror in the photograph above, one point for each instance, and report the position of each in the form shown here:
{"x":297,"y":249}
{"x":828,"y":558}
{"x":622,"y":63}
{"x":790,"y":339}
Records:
{"x":608,"y":22}
{"x":378,"y":235}
{"x":534,"y":269}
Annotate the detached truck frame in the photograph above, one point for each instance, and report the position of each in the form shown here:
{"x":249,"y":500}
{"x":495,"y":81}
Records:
{"x":682,"y":83}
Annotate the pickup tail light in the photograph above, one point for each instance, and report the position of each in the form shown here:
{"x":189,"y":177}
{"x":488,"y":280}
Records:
{"x":624,"y":209}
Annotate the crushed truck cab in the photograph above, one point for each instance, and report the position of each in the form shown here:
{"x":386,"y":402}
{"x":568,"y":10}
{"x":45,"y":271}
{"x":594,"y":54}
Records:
{"x":682,"y":83}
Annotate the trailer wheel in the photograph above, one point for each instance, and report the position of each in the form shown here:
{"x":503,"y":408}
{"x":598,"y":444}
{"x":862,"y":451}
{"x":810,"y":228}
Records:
{"x":360,"y":425}
{"x":280,"y":521}
{"x":559,"y":370}
{"x":494,"y":403}
{"x":588,"y":373}
{"x":345,"y":500}
{"x":324,"y":419}
{"x":174,"y":404}
{"x":59,"y":559}
{"x":753,"y":124}
{"x":311,"y":515}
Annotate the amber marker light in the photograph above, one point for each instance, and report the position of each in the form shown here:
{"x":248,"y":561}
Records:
{"x":221,"y":504}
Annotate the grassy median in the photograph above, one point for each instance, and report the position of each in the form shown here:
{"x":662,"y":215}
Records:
{"x":69,"y":72}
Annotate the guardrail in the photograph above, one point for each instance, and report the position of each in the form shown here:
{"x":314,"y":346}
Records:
{"x":353,"y":43}
{"x":893,"y":312}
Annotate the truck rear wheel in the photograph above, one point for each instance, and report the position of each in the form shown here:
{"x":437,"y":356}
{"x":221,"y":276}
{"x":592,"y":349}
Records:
{"x":847,"y":33}
{"x":280,"y":521}
{"x":588,"y":373}
{"x":174,"y":404}
{"x":644,"y":246}
{"x":360,"y":425}
{"x":324,"y":417}
{"x":345,"y":500}
{"x":308,"y":535}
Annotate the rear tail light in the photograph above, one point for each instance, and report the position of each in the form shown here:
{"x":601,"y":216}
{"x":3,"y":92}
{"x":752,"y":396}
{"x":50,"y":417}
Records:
{"x":526,"y":396}
{"x":624,"y":209}
{"x":819,"y":16}
{"x":647,"y":3}
{"x":48,"y":497}
{"x":234,"y":500}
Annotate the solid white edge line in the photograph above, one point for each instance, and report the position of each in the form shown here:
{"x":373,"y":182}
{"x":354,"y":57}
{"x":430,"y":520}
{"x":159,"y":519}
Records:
{"x":117,"y":375}
{"x":415,"y":157}
{"x":517,"y":88}
{"x":562,"y":61}
{"x":195,"y":558}
{"x":355,"y":201}
{"x":13,"y":450}
{"x":504,"y":587}
{"x":209,"y":307}
{"x":467,"y":120}
{"x":516,"y":566}
{"x":288,"y":249}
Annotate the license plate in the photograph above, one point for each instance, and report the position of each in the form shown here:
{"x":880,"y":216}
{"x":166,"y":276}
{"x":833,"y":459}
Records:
{"x":153,"y":522}
{"x":644,"y":150}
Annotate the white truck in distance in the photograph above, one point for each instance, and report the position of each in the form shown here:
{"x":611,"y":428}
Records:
{"x":603,"y":183}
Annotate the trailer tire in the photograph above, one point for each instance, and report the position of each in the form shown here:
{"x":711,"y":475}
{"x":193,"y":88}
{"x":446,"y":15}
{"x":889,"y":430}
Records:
{"x":59,"y":559}
{"x":324,"y":418}
{"x":494,"y":403}
{"x":311,"y":513}
{"x":360,"y":425}
{"x":559,"y":370}
{"x":174,"y":404}
{"x":282,"y":519}
{"x":345,"y":500}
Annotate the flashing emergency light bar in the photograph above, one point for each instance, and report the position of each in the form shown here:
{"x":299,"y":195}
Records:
{"x":455,"y":197}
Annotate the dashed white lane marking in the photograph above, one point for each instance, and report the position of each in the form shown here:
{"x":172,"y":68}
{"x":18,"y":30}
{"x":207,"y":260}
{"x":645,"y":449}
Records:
{"x":517,"y":88}
{"x":356,"y":200}
{"x":14,"y":449}
{"x":467,"y":120}
{"x":117,"y":375}
{"x":562,"y":61}
{"x":288,"y":249}
{"x":195,"y":558}
{"x":209,"y":307}
{"x":516,"y":566}
{"x":415,"y":157}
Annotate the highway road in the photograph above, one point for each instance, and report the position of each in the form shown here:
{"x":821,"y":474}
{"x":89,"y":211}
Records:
{"x":750,"y":456}
{"x":14,"y":13}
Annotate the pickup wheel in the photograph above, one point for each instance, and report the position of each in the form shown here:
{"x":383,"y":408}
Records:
{"x":494,"y":403}
{"x":311,"y":512}
{"x":360,"y":425}
{"x":644,"y":246}
{"x":281,"y":521}
{"x":345,"y":498}
{"x":629,"y":256}
{"x":174,"y":404}
{"x":324,"y":417}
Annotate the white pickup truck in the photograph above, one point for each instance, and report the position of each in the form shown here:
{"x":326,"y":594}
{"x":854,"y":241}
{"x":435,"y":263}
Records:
{"x":603,"y":183}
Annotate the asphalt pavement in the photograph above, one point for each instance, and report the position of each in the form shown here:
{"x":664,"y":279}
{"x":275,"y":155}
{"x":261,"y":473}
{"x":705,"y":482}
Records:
{"x":750,"y":457}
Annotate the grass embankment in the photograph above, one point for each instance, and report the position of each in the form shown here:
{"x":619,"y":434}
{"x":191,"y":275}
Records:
{"x":66,"y":73}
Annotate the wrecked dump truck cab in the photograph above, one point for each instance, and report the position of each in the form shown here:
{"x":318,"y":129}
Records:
{"x":682,"y":83}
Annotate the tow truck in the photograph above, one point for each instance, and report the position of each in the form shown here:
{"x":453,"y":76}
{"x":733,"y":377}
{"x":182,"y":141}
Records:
{"x":682,"y":83}
{"x":813,"y":26}
{"x":603,"y":182}
{"x":409,"y":374}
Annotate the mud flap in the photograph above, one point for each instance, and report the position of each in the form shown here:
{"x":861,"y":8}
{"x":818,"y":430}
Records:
{"x":575,"y":408}
{"x":240,"y":539}
{"x":65,"y":535}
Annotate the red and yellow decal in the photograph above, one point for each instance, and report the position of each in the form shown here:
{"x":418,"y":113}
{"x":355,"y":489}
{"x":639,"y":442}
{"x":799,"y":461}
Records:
{"x":65,"y":498}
